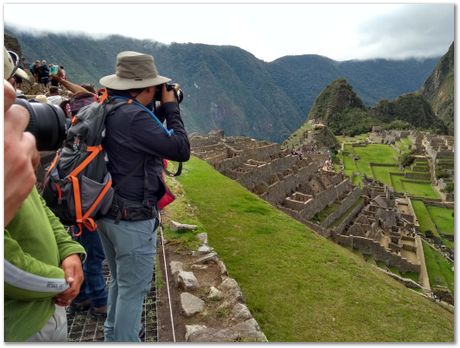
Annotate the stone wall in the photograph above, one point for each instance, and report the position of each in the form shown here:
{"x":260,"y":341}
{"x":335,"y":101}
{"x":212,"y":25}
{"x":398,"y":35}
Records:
{"x":345,"y":204}
{"x":378,"y":252}
{"x":341,"y":227}
{"x":263,"y":172}
{"x":281,"y":189}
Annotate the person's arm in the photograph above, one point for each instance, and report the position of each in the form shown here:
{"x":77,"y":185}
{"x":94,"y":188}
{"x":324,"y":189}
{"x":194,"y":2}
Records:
{"x":73,"y":87}
{"x":25,"y":277}
{"x":150,"y":136}
{"x":21,"y":156}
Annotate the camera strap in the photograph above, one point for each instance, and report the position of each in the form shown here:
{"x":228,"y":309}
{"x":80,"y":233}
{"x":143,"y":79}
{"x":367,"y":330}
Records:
{"x":169,"y":132}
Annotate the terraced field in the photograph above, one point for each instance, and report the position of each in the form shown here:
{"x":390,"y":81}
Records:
{"x":380,"y":162}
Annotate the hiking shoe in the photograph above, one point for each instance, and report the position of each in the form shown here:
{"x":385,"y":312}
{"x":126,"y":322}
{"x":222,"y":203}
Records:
{"x":83,"y":306}
{"x":98,"y":312}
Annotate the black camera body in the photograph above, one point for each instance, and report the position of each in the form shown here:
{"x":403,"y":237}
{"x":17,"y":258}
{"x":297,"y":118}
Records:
{"x":170,"y":86}
{"x":47,"y":122}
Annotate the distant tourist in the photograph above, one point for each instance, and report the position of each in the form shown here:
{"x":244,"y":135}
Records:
{"x":54,"y":97}
{"x":44,"y":74}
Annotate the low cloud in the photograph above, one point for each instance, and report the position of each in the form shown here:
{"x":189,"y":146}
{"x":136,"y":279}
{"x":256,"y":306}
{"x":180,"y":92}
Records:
{"x":412,"y":31}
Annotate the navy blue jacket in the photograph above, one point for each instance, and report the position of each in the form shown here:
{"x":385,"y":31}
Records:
{"x":134,"y":136}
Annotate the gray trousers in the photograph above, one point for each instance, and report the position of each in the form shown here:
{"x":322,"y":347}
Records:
{"x":55,"y":330}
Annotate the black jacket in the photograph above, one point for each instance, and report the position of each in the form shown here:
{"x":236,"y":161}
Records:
{"x":134,"y":136}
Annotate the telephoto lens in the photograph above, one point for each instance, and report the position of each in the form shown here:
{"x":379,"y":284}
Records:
{"x":47,"y":122}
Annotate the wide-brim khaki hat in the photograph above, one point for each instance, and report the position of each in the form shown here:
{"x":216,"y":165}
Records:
{"x":9,"y":65}
{"x":133,"y":70}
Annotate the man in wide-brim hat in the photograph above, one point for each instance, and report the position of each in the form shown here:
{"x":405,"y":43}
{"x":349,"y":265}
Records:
{"x":136,"y":143}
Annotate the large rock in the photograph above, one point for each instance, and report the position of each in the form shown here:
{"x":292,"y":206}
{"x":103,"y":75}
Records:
{"x":176,"y":267}
{"x":187,"y":281}
{"x":215,"y":294}
{"x":190,"y":304}
{"x":231,"y":290}
{"x":191,"y":329}
{"x":241,"y":312}
{"x":211,"y":257}
{"x":202,"y":237}
{"x":246,"y":331}
{"x":205,"y":249}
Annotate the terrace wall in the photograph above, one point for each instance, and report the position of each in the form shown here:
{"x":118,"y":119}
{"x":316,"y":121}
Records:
{"x":378,"y":252}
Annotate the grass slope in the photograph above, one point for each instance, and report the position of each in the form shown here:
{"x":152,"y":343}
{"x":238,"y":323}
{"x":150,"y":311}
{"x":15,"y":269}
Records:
{"x":301,"y":287}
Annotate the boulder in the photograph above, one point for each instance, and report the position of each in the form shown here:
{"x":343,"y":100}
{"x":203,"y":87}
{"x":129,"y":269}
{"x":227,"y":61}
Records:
{"x":190,"y":304}
{"x":241,"y":312}
{"x":211,"y":257}
{"x":246,"y":331}
{"x":187,"y":281}
{"x":215,"y":294}
{"x":231,"y":290}
{"x":191,"y":329}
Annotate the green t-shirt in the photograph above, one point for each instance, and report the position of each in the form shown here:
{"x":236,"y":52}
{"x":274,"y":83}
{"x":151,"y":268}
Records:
{"x":35,"y":243}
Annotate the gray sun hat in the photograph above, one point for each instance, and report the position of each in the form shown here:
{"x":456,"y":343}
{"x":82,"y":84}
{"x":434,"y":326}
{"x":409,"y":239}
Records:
{"x":134,"y":70}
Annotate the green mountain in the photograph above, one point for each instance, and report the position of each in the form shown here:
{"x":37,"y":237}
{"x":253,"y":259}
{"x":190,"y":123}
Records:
{"x":438,"y":89}
{"x":342,"y":111}
{"x":299,"y":286}
{"x":412,"y":108}
{"x":227,"y":87}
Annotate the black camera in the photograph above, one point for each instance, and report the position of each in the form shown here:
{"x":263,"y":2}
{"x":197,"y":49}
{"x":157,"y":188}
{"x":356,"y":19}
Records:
{"x":47,"y":122}
{"x":170,"y":86}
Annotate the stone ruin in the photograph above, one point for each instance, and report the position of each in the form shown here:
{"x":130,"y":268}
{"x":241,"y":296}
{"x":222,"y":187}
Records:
{"x":385,"y":229}
{"x":293,"y":181}
{"x":389,"y":137}
{"x":372,"y":220}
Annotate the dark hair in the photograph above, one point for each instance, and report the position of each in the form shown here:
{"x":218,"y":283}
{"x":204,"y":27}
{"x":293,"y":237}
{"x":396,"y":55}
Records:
{"x":54,"y":90}
{"x":89,"y":88}
{"x":129,"y":92}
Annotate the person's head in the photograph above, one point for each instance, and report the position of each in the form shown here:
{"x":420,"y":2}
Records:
{"x":136,"y":74}
{"x":89,"y":88}
{"x":54,"y":90}
{"x":43,"y":62}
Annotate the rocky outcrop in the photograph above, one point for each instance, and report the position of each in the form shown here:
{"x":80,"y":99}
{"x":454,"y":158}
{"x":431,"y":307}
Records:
{"x":209,"y":295}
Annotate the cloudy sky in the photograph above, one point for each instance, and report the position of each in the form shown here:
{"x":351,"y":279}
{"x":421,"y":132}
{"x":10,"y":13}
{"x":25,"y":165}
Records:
{"x":339,"y":31}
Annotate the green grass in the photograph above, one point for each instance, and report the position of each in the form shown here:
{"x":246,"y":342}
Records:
{"x":443,"y":219}
{"x":423,"y":217}
{"x":420,"y":189}
{"x":383,"y":173}
{"x":404,"y":145}
{"x":439,"y":269}
{"x":299,"y":286}
{"x":319,"y":217}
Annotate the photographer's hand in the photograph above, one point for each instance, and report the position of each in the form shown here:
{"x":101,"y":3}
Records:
{"x":168,"y":96}
{"x":21,"y":155}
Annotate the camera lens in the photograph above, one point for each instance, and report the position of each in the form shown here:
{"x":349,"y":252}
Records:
{"x":47,"y":123}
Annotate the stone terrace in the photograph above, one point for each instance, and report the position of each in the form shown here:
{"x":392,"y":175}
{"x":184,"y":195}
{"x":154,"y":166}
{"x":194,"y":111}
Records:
{"x":291,"y":180}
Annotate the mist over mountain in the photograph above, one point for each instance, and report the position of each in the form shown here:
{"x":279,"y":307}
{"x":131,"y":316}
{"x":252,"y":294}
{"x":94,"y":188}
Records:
{"x":227,"y":87}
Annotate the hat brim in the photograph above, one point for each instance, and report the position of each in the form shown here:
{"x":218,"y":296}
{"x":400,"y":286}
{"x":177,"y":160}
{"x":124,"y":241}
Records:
{"x":121,"y":84}
{"x":21,"y":73}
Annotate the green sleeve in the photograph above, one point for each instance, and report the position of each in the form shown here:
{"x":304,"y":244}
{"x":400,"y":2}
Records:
{"x":15,"y":256}
{"x":66,"y":246}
